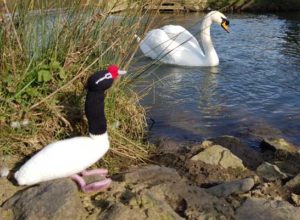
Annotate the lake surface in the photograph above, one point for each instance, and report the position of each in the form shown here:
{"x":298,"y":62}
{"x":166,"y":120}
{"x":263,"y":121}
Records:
{"x":254,"y":93}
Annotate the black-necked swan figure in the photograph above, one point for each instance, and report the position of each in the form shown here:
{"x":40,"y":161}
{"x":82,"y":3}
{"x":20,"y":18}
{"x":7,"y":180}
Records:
{"x":173,"y":44}
{"x":71,"y":157}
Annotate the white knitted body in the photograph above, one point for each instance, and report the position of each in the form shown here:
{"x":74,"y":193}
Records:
{"x":62,"y":159}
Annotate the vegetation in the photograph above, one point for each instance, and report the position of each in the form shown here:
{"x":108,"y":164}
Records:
{"x":46,"y":57}
{"x":256,"y":5}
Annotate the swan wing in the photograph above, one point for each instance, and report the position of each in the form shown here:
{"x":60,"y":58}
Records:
{"x":184,"y":50}
{"x":61,"y":159}
{"x":157,"y":44}
{"x":183,"y":37}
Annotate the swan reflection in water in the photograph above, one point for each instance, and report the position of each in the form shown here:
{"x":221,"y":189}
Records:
{"x":183,"y":99}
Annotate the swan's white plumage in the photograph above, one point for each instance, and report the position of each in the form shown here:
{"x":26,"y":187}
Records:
{"x":173,"y":44}
{"x":63,"y":159}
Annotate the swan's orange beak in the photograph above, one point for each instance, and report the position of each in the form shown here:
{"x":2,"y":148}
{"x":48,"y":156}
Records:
{"x":225,"y":26}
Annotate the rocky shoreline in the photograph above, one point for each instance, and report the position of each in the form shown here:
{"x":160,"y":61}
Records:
{"x":220,"y":178}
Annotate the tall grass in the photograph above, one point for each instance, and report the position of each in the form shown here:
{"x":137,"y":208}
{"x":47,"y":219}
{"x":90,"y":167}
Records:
{"x":46,"y":57}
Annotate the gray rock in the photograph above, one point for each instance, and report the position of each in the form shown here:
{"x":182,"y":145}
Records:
{"x":296,"y":199}
{"x":278,"y":144}
{"x":57,"y":200}
{"x":262,"y":209}
{"x":155,"y":192}
{"x":152,"y":209}
{"x":251,"y":158}
{"x":169,"y":146}
{"x":294,"y":184}
{"x":270,"y":172}
{"x":6,"y":214}
{"x":218,"y":155}
{"x":151,"y":175}
{"x":290,"y":167}
{"x":234,"y":187}
{"x":191,"y":202}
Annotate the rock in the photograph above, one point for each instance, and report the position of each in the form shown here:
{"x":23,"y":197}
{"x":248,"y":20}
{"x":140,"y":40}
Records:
{"x":57,"y":200}
{"x":169,"y":146}
{"x":261,"y":209}
{"x":294,"y":184}
{"x":296,"y":199}
{"x":6,"y":214}
{"x":290,"y":167}
{"x":192,"y":202}
{"x":251,"y":158}
{"x":4,"y":171}
{"x":196,"y":148}
{"x":234,"y":187}
{"x":218,"y":155}
{"x":278,"y":144}
{"x":169,"y":197}
{"x":152,"y":175}
{"x":270,"y":172}
{"x":153,"y":209}
{"x":7,"y":189}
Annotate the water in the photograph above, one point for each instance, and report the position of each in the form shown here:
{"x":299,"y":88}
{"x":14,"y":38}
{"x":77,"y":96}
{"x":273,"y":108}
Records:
{"x":253,"y":93}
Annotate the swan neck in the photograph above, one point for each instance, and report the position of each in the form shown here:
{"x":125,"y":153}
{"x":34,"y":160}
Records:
{"x":207,"y":44}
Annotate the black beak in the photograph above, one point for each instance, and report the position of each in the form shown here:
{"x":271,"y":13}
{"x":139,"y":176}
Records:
{"x":225,"y":25}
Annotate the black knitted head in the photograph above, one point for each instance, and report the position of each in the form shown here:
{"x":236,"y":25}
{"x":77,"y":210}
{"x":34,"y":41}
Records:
{"x":100,"y":81}
{"x":94,"y":104}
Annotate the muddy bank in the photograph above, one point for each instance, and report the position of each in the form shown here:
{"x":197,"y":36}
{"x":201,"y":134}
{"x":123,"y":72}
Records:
{"x":220,"y":178}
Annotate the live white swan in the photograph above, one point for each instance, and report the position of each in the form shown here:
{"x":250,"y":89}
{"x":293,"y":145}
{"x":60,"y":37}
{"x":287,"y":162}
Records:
{"x":173,"y":44}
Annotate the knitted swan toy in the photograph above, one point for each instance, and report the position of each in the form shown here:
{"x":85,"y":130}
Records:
{"x":70,"y":157}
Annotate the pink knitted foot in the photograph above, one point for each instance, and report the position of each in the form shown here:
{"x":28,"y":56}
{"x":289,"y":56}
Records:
{"x":97,"y":186}
{"x":100,"y":172}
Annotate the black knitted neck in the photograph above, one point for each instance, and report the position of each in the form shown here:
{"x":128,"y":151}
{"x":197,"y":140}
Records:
{"x":94,"y":110}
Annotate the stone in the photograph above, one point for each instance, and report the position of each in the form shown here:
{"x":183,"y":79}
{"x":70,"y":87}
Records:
{"x":218,"y":155}
{"x":262,"y":209}
{"x":169,"y":146}
{"x":152,"y":174}
{"x":290,"y":167}
{"x":296,"y":199}
{"x":234,"y":187}
{"x":6,"y":214}
{"x":57,"y":200}
{"x":294,"y":184}
{"x":270,"y":172}
{"x":155,"y":192}
{"x":251,"y":158}
{"x":278,"y":144}
{"x":191,"y":202}
{"x":7,"y":190}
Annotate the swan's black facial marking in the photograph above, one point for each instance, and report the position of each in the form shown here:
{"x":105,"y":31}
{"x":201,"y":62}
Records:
{"x":225,"y":24}
{"x":226,"y":21}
